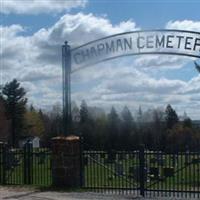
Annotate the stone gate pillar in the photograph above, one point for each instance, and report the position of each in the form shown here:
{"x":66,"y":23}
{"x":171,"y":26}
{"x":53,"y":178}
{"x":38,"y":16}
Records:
{"x":66,"y":161}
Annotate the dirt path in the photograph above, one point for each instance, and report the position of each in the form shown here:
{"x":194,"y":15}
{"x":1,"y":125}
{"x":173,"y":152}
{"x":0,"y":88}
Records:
{"x":30,"y":194}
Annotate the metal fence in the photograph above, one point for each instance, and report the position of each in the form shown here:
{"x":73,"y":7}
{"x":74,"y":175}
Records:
{"x":25,"y":166}
{"x":111,"y":172}
{"x":141,"y":172}
{"x":172,"y":174}
{"x":146,"y":173}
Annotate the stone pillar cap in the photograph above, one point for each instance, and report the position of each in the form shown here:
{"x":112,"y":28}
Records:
{"x":68,"y":138}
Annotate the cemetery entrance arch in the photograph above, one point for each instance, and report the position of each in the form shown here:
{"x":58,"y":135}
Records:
{"x":167,"y":42}
{"x":122,"y":165}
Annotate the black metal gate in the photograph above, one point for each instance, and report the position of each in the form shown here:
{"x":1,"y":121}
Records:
{"x":112,"y":172}
{"x":142,"y":173}
{"x":172,"y":174}
{"x":22,"y":166}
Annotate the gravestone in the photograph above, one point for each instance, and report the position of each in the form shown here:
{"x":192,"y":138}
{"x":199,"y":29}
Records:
{"x":160,"y":160}
{"x":111,"y":156}
{"x":154,"y":172}
{"x":121,"y":156}
{"x":175,"y":160}
{"x":119,"y":169}
{"x":187,"y":157}
{"x":196,"y":160}
{"x":152,"y":160}
{"x":134,"y":173}
{"x":168,"y":171}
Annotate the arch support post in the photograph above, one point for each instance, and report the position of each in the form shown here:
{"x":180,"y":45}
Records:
{"x":66,"y":71}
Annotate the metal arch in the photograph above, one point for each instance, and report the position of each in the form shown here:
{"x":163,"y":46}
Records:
{"x":135,"y":51}
{"x":66,"y":69}
{"x":144,"y":31}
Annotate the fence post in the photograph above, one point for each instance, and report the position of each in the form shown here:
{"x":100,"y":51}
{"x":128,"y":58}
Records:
{"x":29,"y":156}
{"x":81,"y":163}
{"x":27,"y":163}
{"x":1,"y":162}
{"x":4,"y":164}
{"x":142,"y":166}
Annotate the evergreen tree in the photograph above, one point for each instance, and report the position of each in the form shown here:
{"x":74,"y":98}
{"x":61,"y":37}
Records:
{"x":75,"y":119}
{"x":15,"y":104}
{"x":126,"y":129}
{"x":127,"y":116}
{"x":34,"y":123}
{"x":157,"y":128}
{"x":140,"y":121}
{"x":100,"y":132}
{"x":171,"y":117}
{"x":187,"y":122}
{"x":56,"y":119}
{"x":84,"y":114}
{"x":113,"y":130}
{"x":86,"y":126}
{"x":49,"y":128}
{"x":140,"y":115}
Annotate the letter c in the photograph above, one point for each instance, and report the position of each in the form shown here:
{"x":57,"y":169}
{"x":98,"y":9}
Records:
{"x":78,"y":58}
{"x":139,"y":46}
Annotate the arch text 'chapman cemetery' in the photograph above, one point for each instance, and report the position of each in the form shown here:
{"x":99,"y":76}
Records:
{"x":135,"y":43}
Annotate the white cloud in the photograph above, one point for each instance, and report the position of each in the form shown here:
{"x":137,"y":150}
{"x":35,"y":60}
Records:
{"x":184,"y":25}
{"x":36,"y":61}
{"x":193,"y":86}
{"x":37,"y":58}
{"x":129,"y":85}
{"x":163,"y":61}
{"x":39,"y":6}
{"x":172,"y":62}
{"x":88,"y":26}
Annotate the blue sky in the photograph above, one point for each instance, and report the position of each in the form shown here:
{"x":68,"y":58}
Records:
{"x":32,"y":32}
{"x":149,"y":14}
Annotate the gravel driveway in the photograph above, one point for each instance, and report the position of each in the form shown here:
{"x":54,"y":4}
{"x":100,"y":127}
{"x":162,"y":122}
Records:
{"x":18,"y":193}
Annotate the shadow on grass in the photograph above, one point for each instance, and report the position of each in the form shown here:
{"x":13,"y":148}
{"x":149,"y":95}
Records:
{"x":60,"y":189}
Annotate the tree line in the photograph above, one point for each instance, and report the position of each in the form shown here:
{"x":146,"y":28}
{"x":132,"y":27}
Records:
{"x":157,"y":129}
